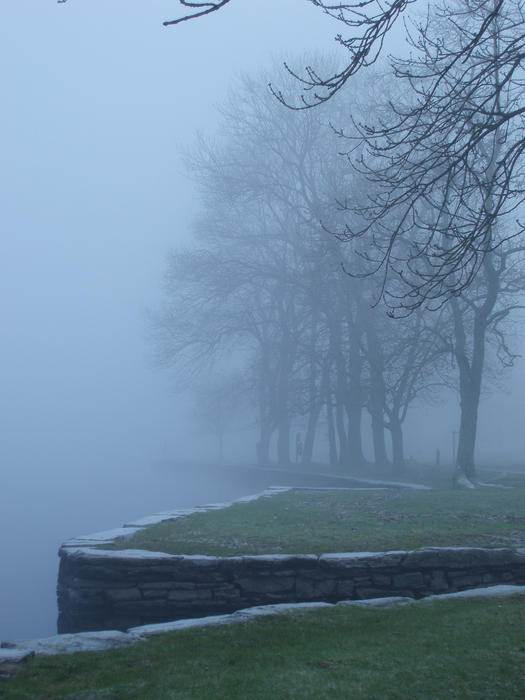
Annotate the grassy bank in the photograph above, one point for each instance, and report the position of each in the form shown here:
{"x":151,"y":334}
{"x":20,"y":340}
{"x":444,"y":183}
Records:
{"x":340,"y":521}
{"x":431,"y":649}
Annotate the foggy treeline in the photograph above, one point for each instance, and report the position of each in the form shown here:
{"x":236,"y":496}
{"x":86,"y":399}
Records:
{"x":357,"y":257}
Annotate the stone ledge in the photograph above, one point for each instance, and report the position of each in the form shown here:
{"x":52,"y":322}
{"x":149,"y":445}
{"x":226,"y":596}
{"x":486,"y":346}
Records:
{"x":12,"y":653}
{"x":108,"y":589}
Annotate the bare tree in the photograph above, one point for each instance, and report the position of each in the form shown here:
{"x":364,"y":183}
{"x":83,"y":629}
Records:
{"x":267,"y":276}
{"x":477,"y":316}
{"x":413,"y":365}
{"x":448,"y":179}
{"x":468,"y":85}
{"x":428,"y":152}
{"x":368,"y":21}
{"x":264,"y":284}
{"x":447,"y":164}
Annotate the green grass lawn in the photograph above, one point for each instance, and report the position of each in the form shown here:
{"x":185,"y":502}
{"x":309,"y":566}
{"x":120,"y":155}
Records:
{"x":340,"y":521}
{"x":430,"y":649}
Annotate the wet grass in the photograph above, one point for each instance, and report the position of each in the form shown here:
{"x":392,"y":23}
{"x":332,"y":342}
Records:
{"x":341,"y":521}
{"x":430,"y":649}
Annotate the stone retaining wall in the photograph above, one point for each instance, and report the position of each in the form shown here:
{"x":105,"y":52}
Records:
{"x":102,"y":589}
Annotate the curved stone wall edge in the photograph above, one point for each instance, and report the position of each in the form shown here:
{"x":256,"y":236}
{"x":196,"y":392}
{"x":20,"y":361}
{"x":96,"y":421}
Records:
{"x":119,"y":589}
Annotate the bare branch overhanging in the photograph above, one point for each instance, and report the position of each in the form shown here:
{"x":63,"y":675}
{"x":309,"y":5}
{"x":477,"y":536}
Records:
{"x":371,"y":19}
{"x":450,"y":252}
{"x":448,"y":165}
{"x":202,"y":8}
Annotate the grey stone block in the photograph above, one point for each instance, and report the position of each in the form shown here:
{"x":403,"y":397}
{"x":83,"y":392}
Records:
{"x":226,"y":592}
{"x":458,"y":557}
{"x":464,"y":580}
{"x":438,"y":581}
{"x":195,"y":595}
{"x":167,"y":585}
{"x":139,"y":608}
{"x":117,"y":595}
{"x":71,"y":643}
{"x":98,"y":573}
{"x":307,"y":590}
{"x":267,"y":584}
{"x":98,"y":584}
{"x":77,"y":603}
{"x":364,"y":559}
{"x":79,"y":596}
{"x":411,"y":579}
{"x":363,"y":592}
{"x":345,"y":589}
{"x":155,"y":593}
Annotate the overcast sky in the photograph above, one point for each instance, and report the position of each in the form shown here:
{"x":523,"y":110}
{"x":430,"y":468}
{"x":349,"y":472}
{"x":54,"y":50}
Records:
{"x":97,"y":100}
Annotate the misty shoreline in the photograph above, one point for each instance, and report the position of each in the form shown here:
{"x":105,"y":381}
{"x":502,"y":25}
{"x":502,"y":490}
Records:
{"x":50,"y":510}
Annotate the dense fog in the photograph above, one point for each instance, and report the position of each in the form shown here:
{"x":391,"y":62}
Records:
{"x":102,"y":106}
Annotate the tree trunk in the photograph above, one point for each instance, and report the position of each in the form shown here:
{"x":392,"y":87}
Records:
{"x":332,"y":445}
{"x":341,"y":390}
{"x":283,"y":395}
{"x":313,"y":417}
{"x":265,"y":412}
{"x":341,"y":432}
{"x":354,"y":402}
{"x":376,"y":403}
{"x":465,"y":464}
{"x":470,"y":376}
{"x":315,"y":402}
{"x":327,"y":393}
{"x":356,"y":458}
{"x":398,"y":457}
{"x":283,"y":438}
{"x":471,"y":372}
